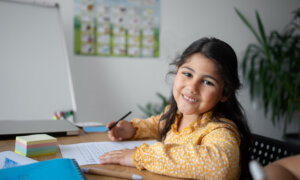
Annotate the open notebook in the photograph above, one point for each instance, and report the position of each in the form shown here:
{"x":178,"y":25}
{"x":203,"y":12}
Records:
{"x":11,"y":128}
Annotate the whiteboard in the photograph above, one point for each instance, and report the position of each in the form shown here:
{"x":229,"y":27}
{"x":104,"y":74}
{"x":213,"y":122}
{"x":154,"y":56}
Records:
{"x":35,"y":78}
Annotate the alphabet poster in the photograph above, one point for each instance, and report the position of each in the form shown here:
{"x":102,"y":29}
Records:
{"x":123,"y":28}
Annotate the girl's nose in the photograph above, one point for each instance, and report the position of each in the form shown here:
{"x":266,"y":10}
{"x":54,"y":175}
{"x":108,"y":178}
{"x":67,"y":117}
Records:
{"x":193,"y":86}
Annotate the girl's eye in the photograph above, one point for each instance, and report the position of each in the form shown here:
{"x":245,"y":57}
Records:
{"x":206,"y":82}
{"x":187,"y":74}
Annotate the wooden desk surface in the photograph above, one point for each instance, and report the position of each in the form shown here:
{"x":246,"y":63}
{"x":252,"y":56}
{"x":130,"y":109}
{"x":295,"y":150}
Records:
{"x":9,"y":145}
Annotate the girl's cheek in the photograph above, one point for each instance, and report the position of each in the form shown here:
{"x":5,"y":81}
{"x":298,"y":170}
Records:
{"x":177,"y":82}
{"x":208,"y":94}
{"x":175,"y":89}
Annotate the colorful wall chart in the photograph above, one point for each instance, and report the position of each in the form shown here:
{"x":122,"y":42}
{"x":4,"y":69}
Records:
{"x":128,"y":28}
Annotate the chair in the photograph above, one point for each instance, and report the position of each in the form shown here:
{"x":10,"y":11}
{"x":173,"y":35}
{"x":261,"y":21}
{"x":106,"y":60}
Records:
{"x":266,"y":150}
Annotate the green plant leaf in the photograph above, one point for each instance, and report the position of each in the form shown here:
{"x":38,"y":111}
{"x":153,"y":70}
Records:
{"x":290,"y":111}
{"x":163,"y":99}
{"x":242,"y":17}
{"x":271,"y":67}
{"x":152,"y":109}
{"x":244,"y":62}
{"x":263,"y":35}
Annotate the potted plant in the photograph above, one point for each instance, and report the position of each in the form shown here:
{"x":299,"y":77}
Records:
{"x":272,"y":69}
{"x":152,"y":109}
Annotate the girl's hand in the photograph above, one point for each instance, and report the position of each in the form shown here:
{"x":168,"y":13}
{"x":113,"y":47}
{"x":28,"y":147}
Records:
{"x":122,"y":131}
{"x":123,"y":157}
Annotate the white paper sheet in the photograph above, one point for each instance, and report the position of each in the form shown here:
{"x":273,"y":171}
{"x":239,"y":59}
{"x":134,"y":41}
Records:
{"x":11,"y":159}
{"x":88,"y":153}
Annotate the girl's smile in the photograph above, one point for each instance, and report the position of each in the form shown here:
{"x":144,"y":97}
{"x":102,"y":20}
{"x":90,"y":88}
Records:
{"x":189,"y":99}
{"x":197,"y":86}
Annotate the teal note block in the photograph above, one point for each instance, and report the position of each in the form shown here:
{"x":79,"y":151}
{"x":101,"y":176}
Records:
{"x":95,"y":129}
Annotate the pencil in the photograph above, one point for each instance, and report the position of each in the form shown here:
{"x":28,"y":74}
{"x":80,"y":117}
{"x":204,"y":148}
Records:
{"x":114,"y":124}
{"x":105,"y":172}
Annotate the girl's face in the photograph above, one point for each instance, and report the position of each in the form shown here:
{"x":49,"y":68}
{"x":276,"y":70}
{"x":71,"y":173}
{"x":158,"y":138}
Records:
{"x":197,"y":86}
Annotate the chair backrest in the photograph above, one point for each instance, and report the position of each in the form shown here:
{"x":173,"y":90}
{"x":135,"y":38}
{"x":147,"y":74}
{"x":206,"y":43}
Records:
{"x":266,"y":150}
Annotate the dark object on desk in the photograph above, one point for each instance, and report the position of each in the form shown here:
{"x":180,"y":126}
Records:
{"x":266,"y":150}
{"x":50,"y":169}
{"x":12,"y":128}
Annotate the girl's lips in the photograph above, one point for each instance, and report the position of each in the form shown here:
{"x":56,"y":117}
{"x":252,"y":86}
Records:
{"x":189,"y":99}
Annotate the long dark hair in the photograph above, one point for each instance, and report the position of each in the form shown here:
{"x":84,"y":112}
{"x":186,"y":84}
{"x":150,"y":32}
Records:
{"x":225,"y":58}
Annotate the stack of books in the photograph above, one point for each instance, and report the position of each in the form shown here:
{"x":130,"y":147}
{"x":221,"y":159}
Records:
{"x":35,"y":145}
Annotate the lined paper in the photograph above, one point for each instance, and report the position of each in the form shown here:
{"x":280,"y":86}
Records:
{"x":88,"y":153}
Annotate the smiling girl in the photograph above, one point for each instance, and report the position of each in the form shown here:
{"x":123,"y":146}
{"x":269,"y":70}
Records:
{"x":203,"y":130}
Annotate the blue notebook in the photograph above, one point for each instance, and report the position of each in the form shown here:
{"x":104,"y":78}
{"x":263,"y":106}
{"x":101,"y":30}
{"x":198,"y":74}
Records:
{"x":50,"y":169}
{"x":94,"y":129}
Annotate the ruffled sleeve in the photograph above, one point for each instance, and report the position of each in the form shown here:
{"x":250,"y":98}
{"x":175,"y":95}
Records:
{"x":146,"y":128}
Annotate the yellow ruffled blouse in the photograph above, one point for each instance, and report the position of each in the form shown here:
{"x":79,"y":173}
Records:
{"x":207,"y":149}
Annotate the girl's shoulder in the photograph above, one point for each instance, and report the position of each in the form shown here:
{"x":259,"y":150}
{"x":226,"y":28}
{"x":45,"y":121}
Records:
{"x":211,"y":119}
{"x":227,"y":122}
{"x":221,"y":122}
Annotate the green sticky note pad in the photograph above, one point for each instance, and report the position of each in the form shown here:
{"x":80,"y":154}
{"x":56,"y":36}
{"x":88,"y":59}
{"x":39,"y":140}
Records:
{"x":95,"y":129}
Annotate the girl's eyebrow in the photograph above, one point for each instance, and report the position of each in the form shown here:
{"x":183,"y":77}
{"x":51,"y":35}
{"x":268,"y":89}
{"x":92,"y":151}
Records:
{"x":186,"y":67}
{"x":206,"y":76}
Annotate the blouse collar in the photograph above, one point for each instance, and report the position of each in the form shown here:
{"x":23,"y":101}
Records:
{"x":206,"y":117}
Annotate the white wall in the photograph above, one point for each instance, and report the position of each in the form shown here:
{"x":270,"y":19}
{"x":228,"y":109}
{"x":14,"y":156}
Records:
{"x":106,"y":88}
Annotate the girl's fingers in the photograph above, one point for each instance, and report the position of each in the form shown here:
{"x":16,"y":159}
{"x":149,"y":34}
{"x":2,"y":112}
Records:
{"x":113,"y":134}
{"x":120,"y":131}
{"x":110,"y":135}
{"x":122,"y":157}
{"x":113,"y":153}
{"x":114,"y":138}
{"x":120,"y":123}
{"x":111,"y":160}
{"x":109,"y":124}
{"x":112,"y":157}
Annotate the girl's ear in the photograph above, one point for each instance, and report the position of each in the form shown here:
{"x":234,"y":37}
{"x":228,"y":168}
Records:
{"x":225,"y":95}
{"x":223,"y":99}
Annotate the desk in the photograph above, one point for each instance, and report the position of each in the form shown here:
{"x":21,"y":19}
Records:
{"x":9,"y":145}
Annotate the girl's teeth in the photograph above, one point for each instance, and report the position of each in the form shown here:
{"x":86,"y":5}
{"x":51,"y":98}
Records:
{"x":189,"y":99}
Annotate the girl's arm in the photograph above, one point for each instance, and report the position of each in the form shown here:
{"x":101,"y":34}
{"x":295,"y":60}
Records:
{"x":146,"y":128}
{"x":286,"y":168}
{"x":143,"y":128}
{"x":216,"y":157}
